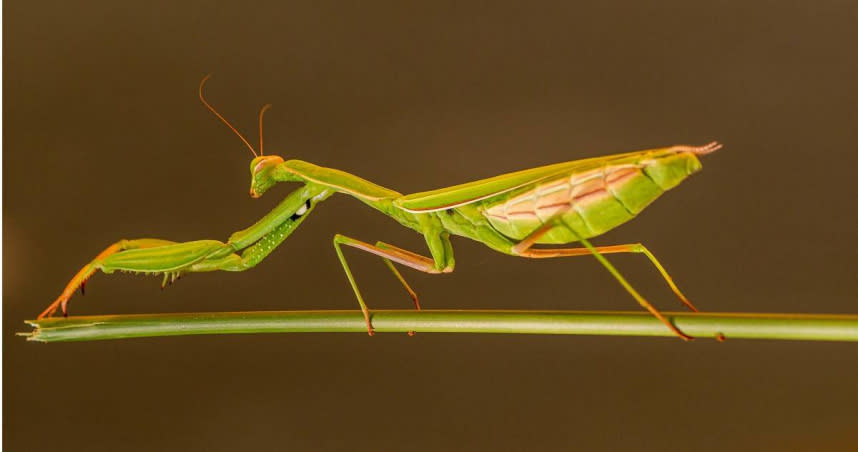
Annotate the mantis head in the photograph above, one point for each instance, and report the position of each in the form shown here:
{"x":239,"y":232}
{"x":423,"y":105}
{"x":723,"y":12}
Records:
{"x":262,"y":171}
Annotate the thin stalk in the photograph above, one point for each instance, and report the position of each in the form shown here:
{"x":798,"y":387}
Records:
{"x":821,"y":327}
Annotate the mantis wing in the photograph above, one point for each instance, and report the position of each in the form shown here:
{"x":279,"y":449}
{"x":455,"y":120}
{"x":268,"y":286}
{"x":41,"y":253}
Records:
{"x":458,"y":195}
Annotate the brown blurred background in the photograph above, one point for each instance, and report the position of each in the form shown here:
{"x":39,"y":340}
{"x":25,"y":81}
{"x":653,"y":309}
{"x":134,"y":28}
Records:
{"x":104,"y":139}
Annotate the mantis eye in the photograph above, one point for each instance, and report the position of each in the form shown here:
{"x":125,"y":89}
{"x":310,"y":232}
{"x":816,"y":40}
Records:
{"x":260,"y":163}
{"x":258,"y":167}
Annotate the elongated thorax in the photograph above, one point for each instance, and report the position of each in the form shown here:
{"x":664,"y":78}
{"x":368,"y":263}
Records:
{"x":591,"y":200}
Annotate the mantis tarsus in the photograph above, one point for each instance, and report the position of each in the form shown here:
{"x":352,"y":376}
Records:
{"x":550,"y":205}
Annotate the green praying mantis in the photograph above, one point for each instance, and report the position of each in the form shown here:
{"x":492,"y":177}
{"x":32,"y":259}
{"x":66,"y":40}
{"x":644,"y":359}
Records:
{"x":550,"y":205}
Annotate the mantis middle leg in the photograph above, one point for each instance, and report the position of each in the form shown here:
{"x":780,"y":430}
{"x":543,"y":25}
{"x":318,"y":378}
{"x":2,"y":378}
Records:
{"x":442,"y":262}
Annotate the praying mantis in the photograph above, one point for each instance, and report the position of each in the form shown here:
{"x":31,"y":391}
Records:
{"x":511,"y":213}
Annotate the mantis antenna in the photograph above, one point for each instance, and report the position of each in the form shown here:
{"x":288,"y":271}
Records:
{"x":262,"y":112}
{"x":203,"y":99}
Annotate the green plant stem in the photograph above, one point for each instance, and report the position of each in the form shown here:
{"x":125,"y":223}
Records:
{"x":708,"y":325}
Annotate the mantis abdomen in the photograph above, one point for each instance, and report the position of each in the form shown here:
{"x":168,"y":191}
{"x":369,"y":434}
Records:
{"x":589,"y":203}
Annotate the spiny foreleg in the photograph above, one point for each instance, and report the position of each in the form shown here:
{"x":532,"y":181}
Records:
{"x":79,"y":280}
{"x":251,"y":255}
{"x":259,"y":240}
{"x":154,"y":256}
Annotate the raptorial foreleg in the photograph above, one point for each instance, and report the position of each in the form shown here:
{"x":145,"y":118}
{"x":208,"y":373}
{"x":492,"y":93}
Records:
{"x":79,"y":280}
{"x":155,"y":256}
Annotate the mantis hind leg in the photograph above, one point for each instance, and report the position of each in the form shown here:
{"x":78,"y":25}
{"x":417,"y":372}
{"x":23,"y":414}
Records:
{"x":79,"y":279}
{"x":389,"y":254}
{"x":628,"y":248}
{"x":524,"y":249}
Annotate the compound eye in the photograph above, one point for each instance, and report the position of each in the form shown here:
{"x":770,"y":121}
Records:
{"x":259,"y":166}
{"x":263,"y":162}
{"x":260,"y":163}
